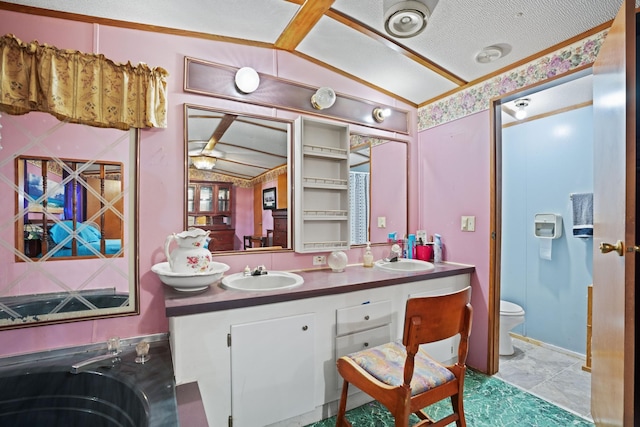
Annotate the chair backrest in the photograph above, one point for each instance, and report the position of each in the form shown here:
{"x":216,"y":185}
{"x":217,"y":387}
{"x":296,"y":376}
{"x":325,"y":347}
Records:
{"x":434,"y":318}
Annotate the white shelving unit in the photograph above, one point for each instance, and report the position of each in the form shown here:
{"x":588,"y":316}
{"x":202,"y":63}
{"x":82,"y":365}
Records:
{"x":322,"y":221}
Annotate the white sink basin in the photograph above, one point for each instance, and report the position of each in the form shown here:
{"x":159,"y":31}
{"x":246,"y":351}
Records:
{"x":404,"y":265}
{"x":272,"y":281}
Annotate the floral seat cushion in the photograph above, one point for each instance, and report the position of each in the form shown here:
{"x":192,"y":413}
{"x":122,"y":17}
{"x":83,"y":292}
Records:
{"x":386,"y":363}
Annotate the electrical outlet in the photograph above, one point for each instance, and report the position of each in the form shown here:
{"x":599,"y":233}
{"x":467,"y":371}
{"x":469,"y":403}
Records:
{"x":382,"y":222}
{"x":319,"y":260}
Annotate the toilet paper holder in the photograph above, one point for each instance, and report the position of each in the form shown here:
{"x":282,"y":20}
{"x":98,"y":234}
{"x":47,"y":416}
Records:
{"x":547,"y":225}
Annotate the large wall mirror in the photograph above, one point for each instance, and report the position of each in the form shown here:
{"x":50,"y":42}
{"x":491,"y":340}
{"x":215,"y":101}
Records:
{"x":238,"y":178}
{"x":68,"y":233}
{"x":377,"y":188}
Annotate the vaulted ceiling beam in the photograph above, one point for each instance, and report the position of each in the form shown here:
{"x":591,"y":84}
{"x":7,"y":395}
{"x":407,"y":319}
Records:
{"x":307,"y":17}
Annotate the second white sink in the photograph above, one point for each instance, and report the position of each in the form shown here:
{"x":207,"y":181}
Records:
{"x":273,"y":280}
{"x":404,"y":265}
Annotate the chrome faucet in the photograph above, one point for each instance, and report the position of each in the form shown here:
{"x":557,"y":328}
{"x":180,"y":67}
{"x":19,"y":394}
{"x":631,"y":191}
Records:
{"x":104,"y":360}
{"x":260,"y":270}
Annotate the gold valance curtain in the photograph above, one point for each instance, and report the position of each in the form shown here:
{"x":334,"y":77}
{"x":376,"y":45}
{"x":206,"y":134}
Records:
{"x":80,"y":87}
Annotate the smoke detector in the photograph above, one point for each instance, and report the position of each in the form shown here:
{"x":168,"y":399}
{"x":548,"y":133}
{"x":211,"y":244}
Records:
{"x":406,"y":19}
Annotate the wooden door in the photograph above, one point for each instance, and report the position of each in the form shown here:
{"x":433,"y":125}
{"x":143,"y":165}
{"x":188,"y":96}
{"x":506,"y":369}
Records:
{"x":257,"y":209}
{"x":612,"y":385}
{"x":112,"y":222}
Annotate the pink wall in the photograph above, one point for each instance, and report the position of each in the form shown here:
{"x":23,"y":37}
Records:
{"x":453,"y":170}
{"x":389,"y":189}
{"x":162,"y":157}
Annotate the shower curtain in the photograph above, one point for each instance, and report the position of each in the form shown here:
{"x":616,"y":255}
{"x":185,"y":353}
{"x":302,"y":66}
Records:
{"x":359,"y":206}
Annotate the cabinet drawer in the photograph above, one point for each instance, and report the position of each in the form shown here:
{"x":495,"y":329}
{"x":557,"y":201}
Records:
{"x":280,"y":225}
{"x":351,"y":343}
{"x":361,"y":317}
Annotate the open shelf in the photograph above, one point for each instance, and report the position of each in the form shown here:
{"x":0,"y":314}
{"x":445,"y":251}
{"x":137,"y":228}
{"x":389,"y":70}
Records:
{"x":321,"y":186}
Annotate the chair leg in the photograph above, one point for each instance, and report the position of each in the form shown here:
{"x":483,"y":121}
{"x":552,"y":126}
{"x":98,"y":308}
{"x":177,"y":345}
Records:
{"x":341,"y":420}
{"x":458,"y":408}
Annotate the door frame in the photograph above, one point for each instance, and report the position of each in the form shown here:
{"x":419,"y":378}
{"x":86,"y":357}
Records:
{"x":495,"y":221}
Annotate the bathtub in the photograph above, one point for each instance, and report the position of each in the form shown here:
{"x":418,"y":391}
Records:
{"x":43,"y":392}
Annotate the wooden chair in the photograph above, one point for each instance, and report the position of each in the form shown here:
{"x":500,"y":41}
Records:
{"x":403,"y":377}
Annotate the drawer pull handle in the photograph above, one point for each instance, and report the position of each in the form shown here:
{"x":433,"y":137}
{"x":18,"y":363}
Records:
{"x":305,"y":327}
{"x":366,"y":317}
{"x":366,"y":344}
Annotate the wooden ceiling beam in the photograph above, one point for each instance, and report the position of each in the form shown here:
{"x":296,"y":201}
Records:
{"x":302,"y":23}
{"x":217,"y":134}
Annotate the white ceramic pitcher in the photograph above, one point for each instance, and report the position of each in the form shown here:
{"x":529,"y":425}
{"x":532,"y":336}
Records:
{"x":191,"y":256}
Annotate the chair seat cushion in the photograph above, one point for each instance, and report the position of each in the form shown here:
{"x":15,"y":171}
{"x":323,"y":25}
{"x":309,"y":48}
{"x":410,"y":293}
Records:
{"x":386,"y":363}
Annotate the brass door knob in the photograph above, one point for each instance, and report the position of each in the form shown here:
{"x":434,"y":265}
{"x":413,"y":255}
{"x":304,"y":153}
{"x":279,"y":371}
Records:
{"x":608,"y":247}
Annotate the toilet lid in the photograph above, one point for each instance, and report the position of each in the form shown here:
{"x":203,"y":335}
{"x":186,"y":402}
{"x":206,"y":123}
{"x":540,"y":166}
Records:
{"x":507,"y":307}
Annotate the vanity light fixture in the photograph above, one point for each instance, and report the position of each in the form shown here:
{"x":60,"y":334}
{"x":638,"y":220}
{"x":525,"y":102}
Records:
{"x":406,"y":19}
{"x":247,"y":79}
{"x":521,"y":104}
{"x":324,"y":97}
{"x":204,"y":162}
{"x":379,"y":114}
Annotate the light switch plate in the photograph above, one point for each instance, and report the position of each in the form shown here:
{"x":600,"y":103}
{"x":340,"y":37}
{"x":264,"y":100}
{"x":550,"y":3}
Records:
{"x":468,"y":223}
{"x":382,"y":222}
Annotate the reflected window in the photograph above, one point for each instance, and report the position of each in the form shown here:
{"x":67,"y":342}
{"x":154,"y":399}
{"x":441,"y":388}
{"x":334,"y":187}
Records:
{"x":69,"y":208}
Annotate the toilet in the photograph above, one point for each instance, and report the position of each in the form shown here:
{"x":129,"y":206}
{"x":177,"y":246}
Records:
{"x":511,"y":315}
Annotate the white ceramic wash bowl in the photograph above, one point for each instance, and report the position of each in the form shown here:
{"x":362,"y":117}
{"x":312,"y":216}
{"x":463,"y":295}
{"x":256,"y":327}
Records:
{"x":190,"y":282}
{"x":272,"y":281}
{"x":404,"y":265}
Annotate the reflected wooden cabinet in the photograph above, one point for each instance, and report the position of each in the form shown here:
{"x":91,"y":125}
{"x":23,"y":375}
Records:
{"x":209,"y":199}
{"x":209,"y":206}
{"x":280,"y":227}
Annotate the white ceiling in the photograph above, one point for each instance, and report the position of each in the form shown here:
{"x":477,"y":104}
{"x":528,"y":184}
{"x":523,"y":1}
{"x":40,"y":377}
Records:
{"x":350,"y":36}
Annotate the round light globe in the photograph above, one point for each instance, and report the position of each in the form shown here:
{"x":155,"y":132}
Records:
{"x":247,"y":79}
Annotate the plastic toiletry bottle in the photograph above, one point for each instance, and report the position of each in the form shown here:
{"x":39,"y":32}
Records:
{"x":367,"y":258}
{"x":437,"y":249}
{"x":411,"y":244}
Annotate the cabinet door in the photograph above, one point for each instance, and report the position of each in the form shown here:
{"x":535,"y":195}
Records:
{"x":191,"y":198}
{"x":224,"y":199}
{"x":272,"y":370}
{"x":205,"y":198}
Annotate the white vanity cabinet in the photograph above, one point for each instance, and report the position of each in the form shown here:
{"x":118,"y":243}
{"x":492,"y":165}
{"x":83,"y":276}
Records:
{"x":321,"y":186}
{"x":248,"y":361}
{"x":272,"y":370}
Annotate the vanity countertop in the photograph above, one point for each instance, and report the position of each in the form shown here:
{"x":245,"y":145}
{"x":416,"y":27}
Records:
{"x":316,"y":283}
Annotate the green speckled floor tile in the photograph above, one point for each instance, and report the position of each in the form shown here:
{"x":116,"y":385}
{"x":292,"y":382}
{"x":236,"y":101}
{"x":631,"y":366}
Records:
{"x":488,"y":402}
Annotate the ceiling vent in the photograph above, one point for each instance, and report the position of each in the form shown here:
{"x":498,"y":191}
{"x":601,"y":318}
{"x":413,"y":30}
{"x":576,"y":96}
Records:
{"x":489,"y":54}
{"x":406,"y":19}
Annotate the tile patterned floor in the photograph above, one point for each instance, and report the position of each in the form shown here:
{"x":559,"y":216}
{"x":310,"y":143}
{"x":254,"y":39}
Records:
{"x":489,"y":402}
{"x":552,"y":375}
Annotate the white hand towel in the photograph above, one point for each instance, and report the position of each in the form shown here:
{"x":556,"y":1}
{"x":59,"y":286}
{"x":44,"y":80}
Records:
{"x":582,"y":214}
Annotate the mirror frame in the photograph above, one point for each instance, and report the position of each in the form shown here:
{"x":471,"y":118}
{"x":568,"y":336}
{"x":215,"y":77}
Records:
{"x":290,"y":150}
{"x":131,"y":257}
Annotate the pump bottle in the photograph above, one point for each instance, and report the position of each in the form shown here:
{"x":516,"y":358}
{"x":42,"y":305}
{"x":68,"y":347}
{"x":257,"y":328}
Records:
{"x":367,"y":258}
